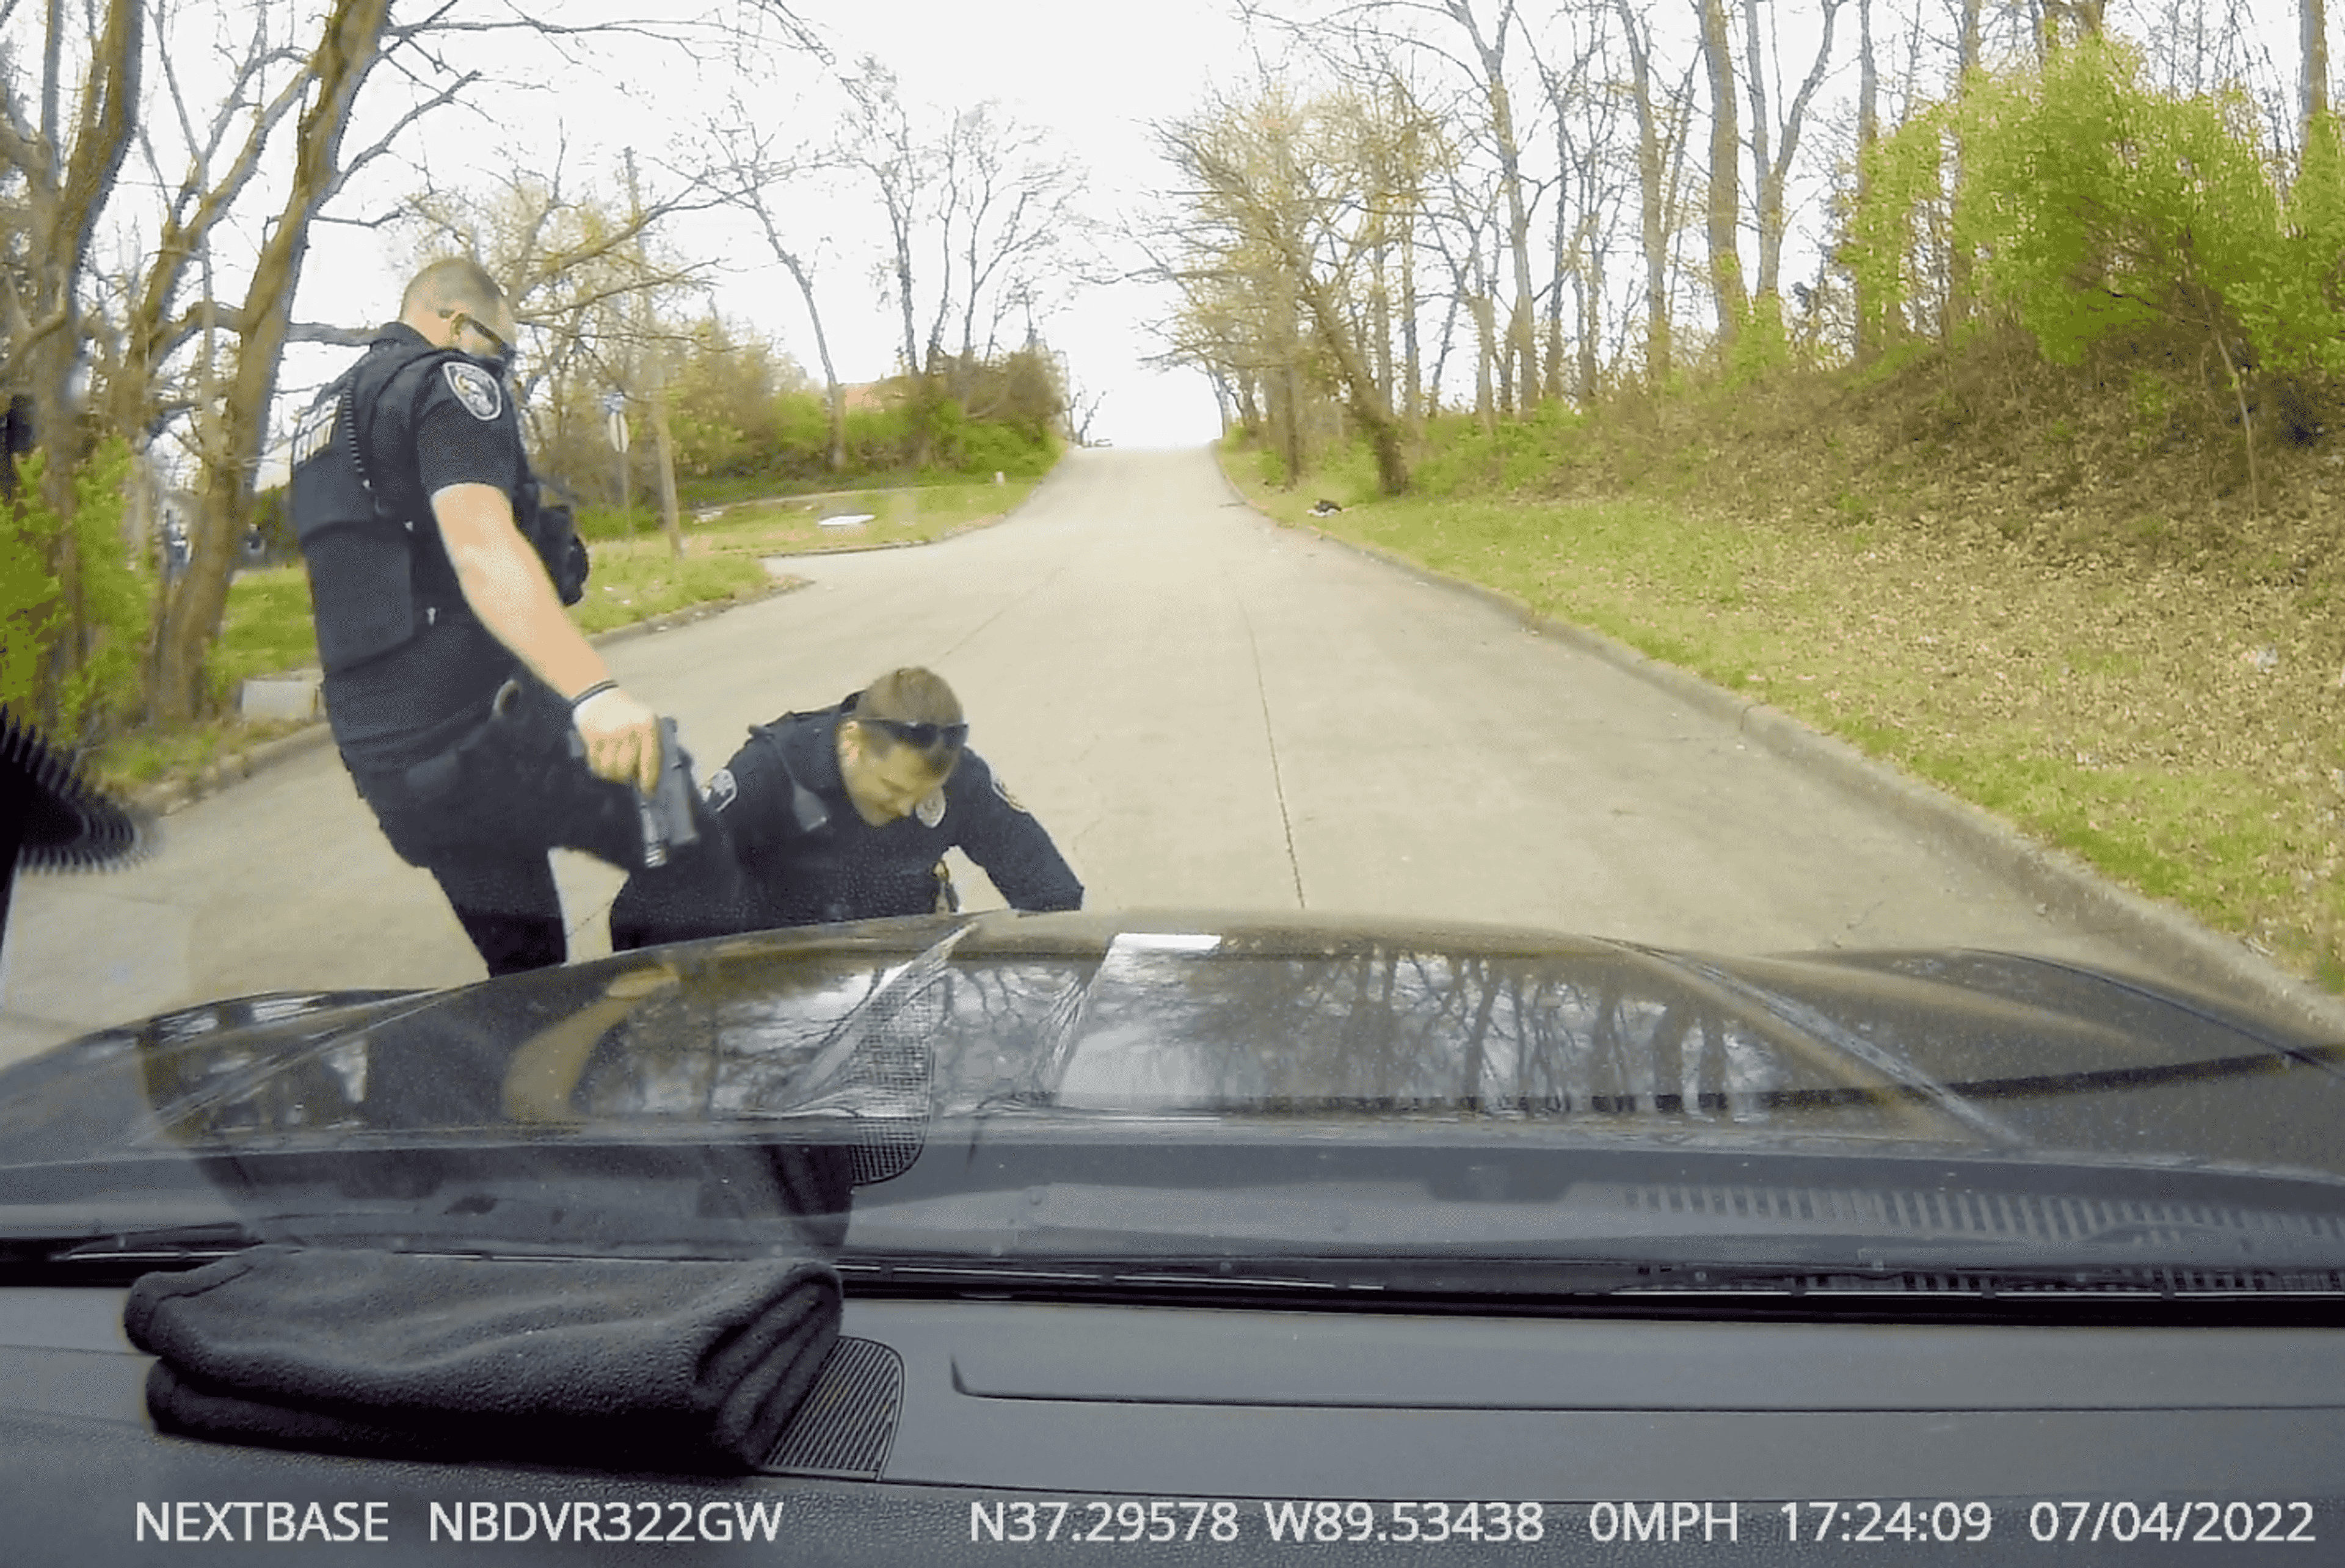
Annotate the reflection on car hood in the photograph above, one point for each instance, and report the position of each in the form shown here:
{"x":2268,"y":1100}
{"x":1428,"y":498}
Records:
{"x":1288,"y":1024}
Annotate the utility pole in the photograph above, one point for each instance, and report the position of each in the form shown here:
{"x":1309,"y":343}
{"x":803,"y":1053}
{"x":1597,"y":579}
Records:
{"x":658,"y":355}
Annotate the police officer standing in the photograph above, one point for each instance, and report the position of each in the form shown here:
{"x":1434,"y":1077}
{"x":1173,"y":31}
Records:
{"x":476,"y":720}
{"x":845,"y":813}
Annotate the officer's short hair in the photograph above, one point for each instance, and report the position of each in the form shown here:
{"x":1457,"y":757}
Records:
{"x":911,"y":696}
{"x":457,"y":283}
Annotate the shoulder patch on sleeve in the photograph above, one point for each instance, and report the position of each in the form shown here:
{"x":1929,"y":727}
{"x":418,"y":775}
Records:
{"x":1008,"y":799}
{"x":475,"y":389}
{"x":720,"y":790}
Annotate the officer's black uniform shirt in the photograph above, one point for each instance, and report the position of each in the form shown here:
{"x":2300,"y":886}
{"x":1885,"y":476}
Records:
{"x":806,"y":856}
{"x":422,"y":435}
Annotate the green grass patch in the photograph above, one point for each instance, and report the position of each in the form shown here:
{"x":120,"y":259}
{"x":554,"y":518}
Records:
{"x":788,"y":524}
{"x":142,"y":758}
{"x":267,"y":629}
{"x":637,"y":582}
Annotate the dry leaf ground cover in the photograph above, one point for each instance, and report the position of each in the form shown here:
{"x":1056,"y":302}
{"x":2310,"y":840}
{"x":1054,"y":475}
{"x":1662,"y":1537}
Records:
{"x":2156,"y":691}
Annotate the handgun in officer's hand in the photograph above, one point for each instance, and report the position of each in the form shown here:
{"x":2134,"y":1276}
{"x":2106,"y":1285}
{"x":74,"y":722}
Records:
{"x":668,"y":811}
{"x":668,"y":816}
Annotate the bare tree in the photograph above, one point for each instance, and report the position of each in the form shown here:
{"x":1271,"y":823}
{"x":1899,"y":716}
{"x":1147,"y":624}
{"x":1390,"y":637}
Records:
{"x":1725,"y":205}
{"x":1009,"y":209}
{"x":354,"y":37}
{"x":1378,"y":28}
{"x":1282,"y":185}
{"x":349,"y":44}
{"x":1868,"y":136}
{"x":1588,"y":196}
{"x":1463,"y":239}
{"x":587,"y":279}
{"x":1774,"y":169}
{"x":883,"y":144}
{"x":2312,"y":76}
{"x":1654,"y":206}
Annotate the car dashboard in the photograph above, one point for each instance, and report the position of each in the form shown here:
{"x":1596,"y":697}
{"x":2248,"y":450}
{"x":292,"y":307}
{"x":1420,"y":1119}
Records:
{"x":966,"y":1429}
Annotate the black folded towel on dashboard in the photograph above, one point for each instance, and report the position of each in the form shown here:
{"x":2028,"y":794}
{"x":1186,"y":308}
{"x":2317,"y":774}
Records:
{"x":625,"y":1364}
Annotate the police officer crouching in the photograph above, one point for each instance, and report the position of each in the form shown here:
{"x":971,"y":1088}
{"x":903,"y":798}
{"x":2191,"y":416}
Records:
{"x":845,"y":813}
{"x":476,"y":720}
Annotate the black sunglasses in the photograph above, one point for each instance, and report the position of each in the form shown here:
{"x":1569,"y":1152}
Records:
{"x":927,"y":737}
{"x":464,"y":320}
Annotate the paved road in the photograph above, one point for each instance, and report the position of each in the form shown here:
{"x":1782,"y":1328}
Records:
{"x":1207,"y":709}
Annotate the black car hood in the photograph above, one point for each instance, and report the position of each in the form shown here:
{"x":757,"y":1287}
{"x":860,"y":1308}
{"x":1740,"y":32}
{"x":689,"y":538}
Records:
{"x":1180,"y":1055}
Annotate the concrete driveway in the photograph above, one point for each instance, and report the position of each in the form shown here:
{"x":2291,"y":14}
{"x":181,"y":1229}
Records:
{"x":1205,"y":709}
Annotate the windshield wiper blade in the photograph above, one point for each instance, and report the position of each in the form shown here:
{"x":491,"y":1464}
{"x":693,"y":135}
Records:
{"x":1545,"y":1278}
{"x":92,"y":1255}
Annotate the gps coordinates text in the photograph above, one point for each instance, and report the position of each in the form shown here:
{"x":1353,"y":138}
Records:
{"x":1315,"y":1521}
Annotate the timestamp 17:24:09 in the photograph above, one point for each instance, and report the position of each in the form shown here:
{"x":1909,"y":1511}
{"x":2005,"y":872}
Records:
{"x":1888,"y":1522}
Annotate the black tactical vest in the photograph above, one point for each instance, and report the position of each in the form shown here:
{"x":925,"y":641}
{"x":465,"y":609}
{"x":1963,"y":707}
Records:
{"x":377,"y":578}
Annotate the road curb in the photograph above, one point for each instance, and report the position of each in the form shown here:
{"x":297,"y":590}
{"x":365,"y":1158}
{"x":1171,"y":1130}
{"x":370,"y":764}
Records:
{"x":2178,"y":947}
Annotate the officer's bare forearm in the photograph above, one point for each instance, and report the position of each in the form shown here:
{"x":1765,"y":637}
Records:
{"x":507,"y":588}
{"x":506,"y":585}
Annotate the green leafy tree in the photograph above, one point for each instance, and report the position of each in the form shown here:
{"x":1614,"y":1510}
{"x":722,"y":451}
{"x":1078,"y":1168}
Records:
{"x":117,"y":596}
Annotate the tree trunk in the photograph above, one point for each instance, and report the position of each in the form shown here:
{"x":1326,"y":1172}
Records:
{"x":1774,"y":167}
{"x":1413,"y":369}
{"x":1725,"y":170}
{"x":1959,"y":260}
{"x":1755,"y":84}
{"x":1366,"y":400}
{"x":1441,"y":355}
{"x":1868,"y":134}
{"x":1521,"y":349}
{"x":1487,"y":350}
{"x":838,"y":401}
{"x":1592,"y":322}
{"x":1653,"y":210}
{"x":1380,"y":324}
{"x":671,"y":518}
{"x":1554,"y":384}
{"x":348,"y":48}
{"x":2312,"y":90}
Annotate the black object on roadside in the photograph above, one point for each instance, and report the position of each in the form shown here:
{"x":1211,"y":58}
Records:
{"x":50,"y":820}
{"x":651,"y":1363}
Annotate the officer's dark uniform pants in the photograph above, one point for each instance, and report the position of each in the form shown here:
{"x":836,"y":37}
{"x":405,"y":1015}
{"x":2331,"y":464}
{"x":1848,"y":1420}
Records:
{"x":510,"y":908}
{"x":483,"y":824}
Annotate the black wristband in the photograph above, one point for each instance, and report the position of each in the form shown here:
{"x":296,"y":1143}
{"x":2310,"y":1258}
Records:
{"x":591,"y":693}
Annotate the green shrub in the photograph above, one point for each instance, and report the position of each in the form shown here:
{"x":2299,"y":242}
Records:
{"x":986,"y":448}
{"x":2096,"y":205}
{"x":117,"y":599}
{"x":30,"y":611}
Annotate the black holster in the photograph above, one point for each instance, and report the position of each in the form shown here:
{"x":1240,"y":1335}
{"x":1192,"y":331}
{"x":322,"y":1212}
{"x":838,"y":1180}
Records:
{"x":524,"y":733}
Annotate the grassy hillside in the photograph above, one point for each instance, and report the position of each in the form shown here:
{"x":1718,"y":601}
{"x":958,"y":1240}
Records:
{"x":2060,"y":594}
